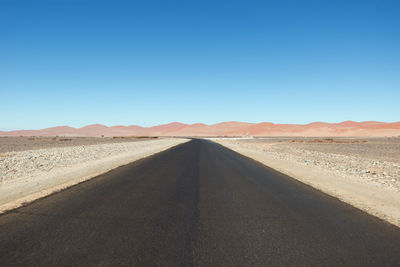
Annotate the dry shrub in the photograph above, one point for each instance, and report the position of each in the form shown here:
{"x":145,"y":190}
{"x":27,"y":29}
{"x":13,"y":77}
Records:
{"x":61,"y":139}
{"x":36,"y":138}
{"x":329,"y":141}
{"x":135,"y":137}
{"x":65,"y":139}
{"x":340,"y":141}
{"x":6,"y":155}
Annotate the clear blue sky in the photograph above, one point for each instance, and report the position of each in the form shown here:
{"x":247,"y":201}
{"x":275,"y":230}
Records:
{"x":151,"y":62}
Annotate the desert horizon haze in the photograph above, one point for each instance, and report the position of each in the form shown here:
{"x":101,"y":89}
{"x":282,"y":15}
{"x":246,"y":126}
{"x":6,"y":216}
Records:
{"x":232,"y":128}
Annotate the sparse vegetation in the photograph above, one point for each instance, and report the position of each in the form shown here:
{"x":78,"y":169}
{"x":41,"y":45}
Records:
{"x":329,"y":141}
{"x":40,"y":142}
{"x":135,"y":137}
{"x":65,"y":139}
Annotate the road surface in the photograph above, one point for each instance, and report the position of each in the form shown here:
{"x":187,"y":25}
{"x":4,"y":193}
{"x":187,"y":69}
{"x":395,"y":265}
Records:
{"x":197,"y":204}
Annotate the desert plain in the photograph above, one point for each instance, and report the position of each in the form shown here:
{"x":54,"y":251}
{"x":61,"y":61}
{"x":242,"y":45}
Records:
{"x":357,"y":168}
{"x":233,"y":194}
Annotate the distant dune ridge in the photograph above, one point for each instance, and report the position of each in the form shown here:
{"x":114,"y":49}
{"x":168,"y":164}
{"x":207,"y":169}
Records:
{"x":232,"y":128}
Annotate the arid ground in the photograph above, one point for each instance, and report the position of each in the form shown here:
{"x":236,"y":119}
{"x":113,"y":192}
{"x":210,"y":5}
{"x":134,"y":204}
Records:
{"x":21,"y":143}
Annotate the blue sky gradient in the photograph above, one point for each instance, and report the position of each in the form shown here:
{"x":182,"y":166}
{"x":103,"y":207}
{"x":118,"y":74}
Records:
{"x":151,"y":62}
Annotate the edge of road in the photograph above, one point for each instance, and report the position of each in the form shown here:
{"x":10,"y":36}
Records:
{"x":15,"y":195}
{"x":374,"y":200}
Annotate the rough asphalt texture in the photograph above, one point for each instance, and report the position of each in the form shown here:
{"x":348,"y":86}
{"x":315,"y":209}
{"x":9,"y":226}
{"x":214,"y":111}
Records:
{"x":197,"y":204}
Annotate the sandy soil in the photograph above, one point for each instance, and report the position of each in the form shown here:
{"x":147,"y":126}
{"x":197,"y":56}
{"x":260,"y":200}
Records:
{"x":32,"y":174}
{"x":381,"y":148}
{"x":362,"y":172}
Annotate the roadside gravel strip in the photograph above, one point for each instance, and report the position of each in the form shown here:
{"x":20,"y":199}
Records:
{"x":32,"y":174}
{"x":370,"y":185}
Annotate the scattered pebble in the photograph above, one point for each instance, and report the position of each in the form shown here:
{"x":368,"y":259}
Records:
{"x":32,"y":163}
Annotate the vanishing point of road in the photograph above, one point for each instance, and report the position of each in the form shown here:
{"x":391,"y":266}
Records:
{"x":196,"y":204}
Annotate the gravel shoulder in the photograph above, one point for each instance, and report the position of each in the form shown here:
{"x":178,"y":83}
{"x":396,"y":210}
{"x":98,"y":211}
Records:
{"x":32,"y":174}
{"x":362,"y":172}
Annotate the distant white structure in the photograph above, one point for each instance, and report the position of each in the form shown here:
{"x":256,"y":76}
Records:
{"x":248,"y":136}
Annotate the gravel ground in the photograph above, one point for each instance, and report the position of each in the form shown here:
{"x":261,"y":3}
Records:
{"x":36,"y":162}
{"x":9,"y":143}
{"x":387,"y":149}
{"x":374,"y":160}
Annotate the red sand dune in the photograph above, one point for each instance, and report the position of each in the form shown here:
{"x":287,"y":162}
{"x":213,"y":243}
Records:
{"x":233,"y":128}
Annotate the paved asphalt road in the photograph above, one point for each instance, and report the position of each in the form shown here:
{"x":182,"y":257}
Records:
{"x":195,"y":204}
